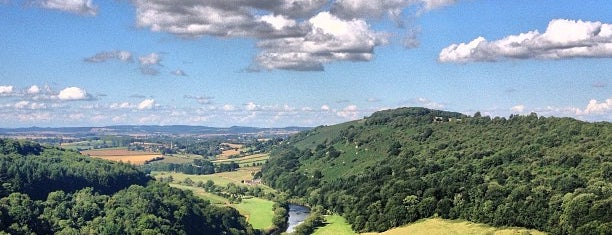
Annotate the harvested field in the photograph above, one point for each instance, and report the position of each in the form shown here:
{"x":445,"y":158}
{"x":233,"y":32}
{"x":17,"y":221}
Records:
{"x":123,"y":155}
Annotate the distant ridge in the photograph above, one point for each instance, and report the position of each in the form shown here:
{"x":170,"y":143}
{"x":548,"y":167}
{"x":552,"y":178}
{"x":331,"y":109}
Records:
{"x":151,"y":129}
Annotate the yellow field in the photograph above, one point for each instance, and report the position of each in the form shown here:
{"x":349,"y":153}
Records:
{"x":436,"y":226}
{"x":229,"y":152}
{"x":123,"y":155}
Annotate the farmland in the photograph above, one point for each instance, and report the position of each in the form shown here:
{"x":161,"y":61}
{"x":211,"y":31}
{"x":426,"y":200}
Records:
{"x":123,"y":155}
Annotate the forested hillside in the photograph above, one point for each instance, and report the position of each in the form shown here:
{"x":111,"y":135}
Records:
{"x":51,"y":191}
{"x":397,"y":166}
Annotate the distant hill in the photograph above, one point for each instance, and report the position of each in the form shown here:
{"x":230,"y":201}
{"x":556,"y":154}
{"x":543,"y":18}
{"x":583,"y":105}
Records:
{"x":150,"y":129}
{"x":401,"y":165}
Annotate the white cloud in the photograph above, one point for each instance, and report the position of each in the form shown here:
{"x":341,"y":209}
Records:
{"x":73,"y":93}
{"x":80,"y":7}
{"x":123,"y":56}
{"x":325,"y":107}
{"x":122,"y":105}
{"x":150,"y":59}
{"x":429,"y":104}
{"x":563,"y":39}
{"x":329,"y":39}
{"x":146,"y":104}
{"x":278,"y":22}
{"x":33,"y":90}
{"x":518,"y":108}
{"x":301,"y":35}
{"x":349,"y":112}
{"x":148,"y":64}
{"x":228,"y":107}
{"x":250,"y":106}
{"x":24,"y":104}
{"x":595,"y":107}
{"x":6,"y":90}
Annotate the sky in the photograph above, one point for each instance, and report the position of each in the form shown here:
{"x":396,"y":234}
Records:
{"x":277,"y":63}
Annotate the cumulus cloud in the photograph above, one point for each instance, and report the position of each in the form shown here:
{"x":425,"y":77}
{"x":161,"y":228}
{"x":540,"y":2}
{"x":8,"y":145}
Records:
{"x":146,"y":104}
{"x":73,"y":93}
{"x":325,"y":107}
{"x":123,"y":56}
{"x":33,"y":90}
{"x":150,"y":59}
{"x":329,"y":39}
{"x":563,"y":39}
{"x":518,"y":108}
{"x":6,"y":90}
{"x":595,"y":107}
{"x":301,"y":35}
{"x":148,"y":64}
{"x":80,"y":7}
{"x":349,"y":112}
{"x":429,"y":104}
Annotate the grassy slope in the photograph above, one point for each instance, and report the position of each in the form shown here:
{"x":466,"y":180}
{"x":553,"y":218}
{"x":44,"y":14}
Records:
{"x":335,"y":225}
{"x":257,"y":211}
{"x":437,"y":226}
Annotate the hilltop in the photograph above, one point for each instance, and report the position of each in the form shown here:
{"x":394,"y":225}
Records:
{"x":398,"y":166}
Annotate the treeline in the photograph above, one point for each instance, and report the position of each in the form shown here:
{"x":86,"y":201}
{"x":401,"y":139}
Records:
{"x":29,"y":168}
{"x":551,"y":174}
{"x":198,"y":167}
{"x":51,"y":191}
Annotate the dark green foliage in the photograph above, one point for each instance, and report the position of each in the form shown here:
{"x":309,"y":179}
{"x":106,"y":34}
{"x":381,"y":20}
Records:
{"x":50,"y":191}
{"x":551,"y":174}
{"x":52,"y":169}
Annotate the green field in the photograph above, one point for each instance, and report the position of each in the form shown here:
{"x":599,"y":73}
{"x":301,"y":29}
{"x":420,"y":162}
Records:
{"x":436,"y":226}
{"x":246,"y":161}
{"x":203,"y":194}
{"x":257,"y":211}
{"x":335,"y":225}
{"x":180,"y":158}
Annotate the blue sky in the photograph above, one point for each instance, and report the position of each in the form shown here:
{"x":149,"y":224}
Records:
{"x":281,"y":63}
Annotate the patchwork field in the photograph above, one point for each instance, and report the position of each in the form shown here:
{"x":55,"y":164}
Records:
{"x":235,"y":150}
{"x":221,"y":179}
{"x":123,"y":155}
{"x":247,"y":160}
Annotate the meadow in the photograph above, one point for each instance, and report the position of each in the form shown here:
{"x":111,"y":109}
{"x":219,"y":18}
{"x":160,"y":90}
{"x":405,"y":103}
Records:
{"x":258,"y":211}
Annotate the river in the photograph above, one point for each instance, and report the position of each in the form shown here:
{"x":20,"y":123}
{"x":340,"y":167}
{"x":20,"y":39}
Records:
{"x":297,"y":215}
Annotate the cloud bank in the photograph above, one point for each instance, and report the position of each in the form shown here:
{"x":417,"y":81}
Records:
{"x":563,"y":39}
{"x":301,"y":35}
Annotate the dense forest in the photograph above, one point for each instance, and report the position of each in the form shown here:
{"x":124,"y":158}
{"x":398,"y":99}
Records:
{"x":46,"y":190}
{"x":398,"y":166}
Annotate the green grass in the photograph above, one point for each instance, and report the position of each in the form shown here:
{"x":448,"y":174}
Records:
{"x":203,"y":194}
{"x":246,"y":160}
{"x":180,"y":158}
{"x":436,"y":226}
{"x":258,"y":212}
{"x":335,"y":225}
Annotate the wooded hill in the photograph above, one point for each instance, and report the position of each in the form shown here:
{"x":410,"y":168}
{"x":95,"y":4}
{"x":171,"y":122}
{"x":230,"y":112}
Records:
{"x":398,"y":166}
{"x":46,"y":190}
